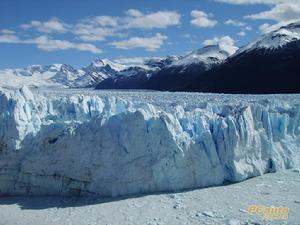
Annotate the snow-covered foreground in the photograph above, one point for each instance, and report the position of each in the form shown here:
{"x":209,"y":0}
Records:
{"x":226,"y":205}
{"x":112,"y":143}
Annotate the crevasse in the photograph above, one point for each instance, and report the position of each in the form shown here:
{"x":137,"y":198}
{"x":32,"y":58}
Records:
{"x":85,"y":144}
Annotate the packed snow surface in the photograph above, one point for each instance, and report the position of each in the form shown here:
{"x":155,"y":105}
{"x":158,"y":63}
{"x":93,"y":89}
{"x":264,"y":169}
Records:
{"x":116,"y":143}
{"x":222,"y":205}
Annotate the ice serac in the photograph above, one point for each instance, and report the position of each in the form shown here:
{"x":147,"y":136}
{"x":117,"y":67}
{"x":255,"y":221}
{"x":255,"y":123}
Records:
{"x":85,"y":143}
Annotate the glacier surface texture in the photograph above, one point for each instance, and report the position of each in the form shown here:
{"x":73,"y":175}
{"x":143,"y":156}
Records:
{"x":114,"y":143}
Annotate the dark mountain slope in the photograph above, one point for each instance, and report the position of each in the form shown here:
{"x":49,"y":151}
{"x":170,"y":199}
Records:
{"x":256,"y":71}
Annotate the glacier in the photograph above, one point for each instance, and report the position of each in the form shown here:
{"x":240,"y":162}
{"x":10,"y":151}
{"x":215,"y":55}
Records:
{"x":118,"y":143}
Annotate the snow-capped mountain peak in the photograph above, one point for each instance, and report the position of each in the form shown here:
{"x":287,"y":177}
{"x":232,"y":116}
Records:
{"x":38,"y":75}
{"x":106,"y":62}
{"x":29,"y":70}
{"x":158,"y":63}
{"x":217,"y":51}
{"x":37,"y":68}
{"x":275,"y":39}
{"x":66,"y":75}
{"x":66,"y":68}
{"x":208,"y":55}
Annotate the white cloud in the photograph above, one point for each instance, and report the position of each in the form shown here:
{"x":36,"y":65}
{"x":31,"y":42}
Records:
{"x":148,"y":43}
{"x":48,"y":44}
{"x":235,"y":23}
{"x":133,"y":19}
{"x":91,"y":32}
{"x":7,"y":31}
{"x":134,"y":61}
{"x":281,"y":12}
{"x":188,"y":36}
{"x":107,"y":21}
{"x":43,"y":42}
{"x":266,"y":27}
{"x":50,"y":26}
{"x":242,"y":2}
{"x":201,"y":19}
{"x":101,"y":27}
{"x":160,"y":19}
{"x":98,"y":28}
{"x":226,"y":42}
{"x":248,"y":28}
{"x":134,"y":13}
{"x":130,"y":61}
{"x":244,"y":26}
{"x":9,"y":38}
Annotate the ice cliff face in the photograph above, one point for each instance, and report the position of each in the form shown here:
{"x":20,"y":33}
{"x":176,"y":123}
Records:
{"x":81,"y":143}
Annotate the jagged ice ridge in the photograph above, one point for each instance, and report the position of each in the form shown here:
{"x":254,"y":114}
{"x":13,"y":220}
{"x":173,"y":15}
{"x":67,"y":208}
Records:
{"x":71,"y":142}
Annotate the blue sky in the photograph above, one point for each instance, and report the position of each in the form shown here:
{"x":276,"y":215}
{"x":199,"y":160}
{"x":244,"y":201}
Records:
{"x":76,"y":32}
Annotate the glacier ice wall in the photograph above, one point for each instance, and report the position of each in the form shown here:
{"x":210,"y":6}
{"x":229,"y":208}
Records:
{"x":82,"y":144}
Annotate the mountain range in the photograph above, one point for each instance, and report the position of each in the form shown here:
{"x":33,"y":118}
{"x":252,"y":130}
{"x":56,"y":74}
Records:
{"x":271,"y":64}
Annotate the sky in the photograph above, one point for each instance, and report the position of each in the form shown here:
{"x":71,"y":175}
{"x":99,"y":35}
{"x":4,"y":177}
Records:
{"x":77,"y":32}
